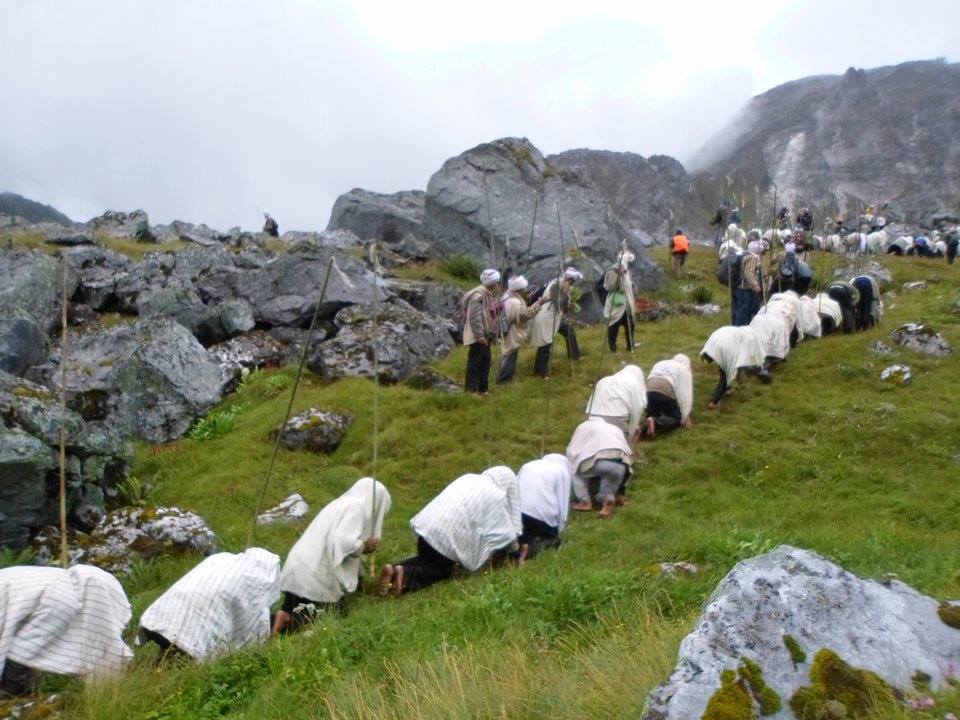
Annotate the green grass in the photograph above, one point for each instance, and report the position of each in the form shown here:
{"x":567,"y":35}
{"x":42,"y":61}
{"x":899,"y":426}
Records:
{"x":131,"y":248}
{"x":825,"y":458}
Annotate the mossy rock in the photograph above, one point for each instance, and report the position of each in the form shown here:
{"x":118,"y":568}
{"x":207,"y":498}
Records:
{"x":840,"y":690}
{"x":766,"y":696}
{"x":950,"y":615}
{"x":737,"y":693}
{"x":797,"y":653}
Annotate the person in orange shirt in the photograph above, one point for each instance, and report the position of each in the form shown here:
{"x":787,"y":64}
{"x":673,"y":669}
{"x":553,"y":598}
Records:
{"x":679,"y":247}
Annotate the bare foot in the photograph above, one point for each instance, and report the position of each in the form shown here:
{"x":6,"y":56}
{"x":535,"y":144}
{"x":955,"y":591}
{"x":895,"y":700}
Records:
{"x":386,"y":580}
{"x":585,"y":505}
{"x":621,"y":500}
{"x":651,"y":428}
{"x":607,"y":510}
{"x":687,"y":424}
{"x":713,"y":405}
{"x":280,"y":622}
{"x":728,"y":392}
{"x":398,"y":580}
{"x":524,"y":552}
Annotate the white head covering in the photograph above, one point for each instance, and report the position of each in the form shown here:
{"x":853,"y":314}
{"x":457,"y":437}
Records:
{"x":732,"y":348}
{"x":595,"y":437}
{"x":753,"y":247}
{"x":324,"y":563}
{"x":222,"y":604}
{"x":773,"y":332}
{"x":790,"y":247}
{"x":68,"y":622}
{"x":621,"y":395}
{"x":573,"y":274}
{"x":678,"y":373}
{"x":505,"y":479}
{"x":626,"y":258}
{"x":545,"y":489}
{"x":732,"y":227}
{"x":489,"y":277}
{"x":517,"y":283}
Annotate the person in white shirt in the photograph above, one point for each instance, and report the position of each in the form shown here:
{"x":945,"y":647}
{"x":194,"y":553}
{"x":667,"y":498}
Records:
{"x":620,"y":399}
{"x":544,"y":503}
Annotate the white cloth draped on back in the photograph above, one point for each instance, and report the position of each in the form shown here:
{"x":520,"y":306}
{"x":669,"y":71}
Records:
{"x":324,"y":564}
{"x":830,"y":308}
{"x":545,"y":489}
{"x":69,"y":622}
{"x":467,"y":521}
{"x":677,"y":372}
{"x":773,"y":332}
{"x":222,"y":604}
{"x":809,"y":320}
{"x":595,"y":440}
{"x":787,"y":306}
{"x":622,"y":395}
{"x":732,"y":348}
{"x":505,"y":479}
{"x":546,"y":322}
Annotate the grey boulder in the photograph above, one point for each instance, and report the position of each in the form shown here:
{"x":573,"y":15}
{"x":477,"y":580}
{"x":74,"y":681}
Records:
{"x":897,"y":374}
{"x":434,"y":298}
{"x":291,"y":509}
{"x":240,"y":355}
{"x":124,"y":225}
{"x":922,"y":338}
{"x":315,"y":430}
{"x":796,"y":597}
{"x":98,"y":272}
{"x":22,"y":344}
{"x":24,"y":466}
{"x":377,"y":216}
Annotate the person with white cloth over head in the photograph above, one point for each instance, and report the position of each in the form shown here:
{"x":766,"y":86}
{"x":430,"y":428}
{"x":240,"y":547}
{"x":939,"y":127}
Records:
{"x":734,"y":350}
{"x":669,"y":396}
{"x":68,"y":622}
{"x":619,"y":306}
{"x":467,"y":524}
{"x":551,"y":319}
{"x":544,"y":503}
{"x":517,"y":315}
{"x":620,"y":399}
{"x":323,"y":566}
{"x":222,"y":604}
{"x":602,"y":462}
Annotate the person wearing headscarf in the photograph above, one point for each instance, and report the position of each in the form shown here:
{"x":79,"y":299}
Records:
{"x":618,"y":309}
{"x":222,"y":604}
{"x":67,"y":622}
{"x":270,"y":226}
{"x":785,"y":266}
{"x":733,"y":350}
{"x":323,"y":566}
{"x":544,"y":503}
{"x":734,"y":235}
{"x":669,"y":396}
{"x":901,"y":246}
{"x":478,"y":317}
{"x":748,"y":295}
{"x":551,"y":318}
{"x":869,"y":306}
{"x":506,"y":479}
{"x":847,"y":297}
{"x":773,"y":329}
{"x":787,"y":305}
{"x":602,"y":462}
{"x":620,"y":399}
{"x":467,"y":524}
{"x":830,"y":313}
{"x":517,"y":315}
{"x":808,"y":319}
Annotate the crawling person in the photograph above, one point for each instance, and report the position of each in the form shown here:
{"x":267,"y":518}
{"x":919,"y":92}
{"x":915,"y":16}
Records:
{"x":602,"y":462}
{"x":869,"y":306}
{"x":467,"y":524}
{"x":620,"y":399}
{"x":669,"y":396}
{"x":830,"y":313}
{"x":323,"y":566}
{"x":733,"y":350}
{"x":847,"y":297}
{"x":544,"y":503}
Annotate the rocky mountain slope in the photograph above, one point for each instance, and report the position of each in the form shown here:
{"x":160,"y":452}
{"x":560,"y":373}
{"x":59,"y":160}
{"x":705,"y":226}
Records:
{"x":30,"y":210}
{"x":885,"y":135}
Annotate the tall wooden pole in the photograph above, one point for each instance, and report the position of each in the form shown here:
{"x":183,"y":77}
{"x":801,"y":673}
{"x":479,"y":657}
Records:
{"x":64,"y":355}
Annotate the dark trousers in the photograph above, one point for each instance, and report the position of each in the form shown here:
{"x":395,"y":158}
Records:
{"x":478,"y":368}
{"x":18,"y":680}
{"x":569,"y":334}
{"x":952,"y":252}
{"x":304,"y":611}
{"x":538,"y":536}
{"x":849,"y":320}
{"x":723,"y":382}
{"x":895,"y":250}
{"x":508,"y":367}
{"x":746,"y":304}
{"x":826,"y":325}
{"x":625,"y":322}
{"x":664,"y":410}
{"x":541,"y":363}
{"x":425,"y":568}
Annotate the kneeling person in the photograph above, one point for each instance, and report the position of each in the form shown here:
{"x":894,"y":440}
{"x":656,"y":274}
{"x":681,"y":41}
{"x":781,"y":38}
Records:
{"x":544,"y":502}
{"x":602,"y":462}
{"x":669,"y":396}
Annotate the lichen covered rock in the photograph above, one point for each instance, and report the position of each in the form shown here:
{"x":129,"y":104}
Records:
{"x":315,"y":430}
{"x":291,"y":509}
{"x":922,"y":338}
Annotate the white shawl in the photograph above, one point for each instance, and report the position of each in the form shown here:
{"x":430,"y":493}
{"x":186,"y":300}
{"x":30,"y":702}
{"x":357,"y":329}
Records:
{"x":547,"y":321}
{"x":826,"y":305}
{"x":732,"y":348}
{"x":545,"y":489}
{"x":324,"y":564}
{"x":787,"y":305}
{"x":677,"y":372}
{"x":809,"y":320}
{"x":69,"y":622}
{"x":773,"y":331}
{"x":222,"y":604}
{"x":505,"y":479}
{"x":612,"y":312}
{"x":622,"y":395}
{"x":467,"y":521}
{"x":595,"y":437}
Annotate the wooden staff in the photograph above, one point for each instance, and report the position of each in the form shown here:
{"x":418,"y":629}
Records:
{"x":64,"y":352}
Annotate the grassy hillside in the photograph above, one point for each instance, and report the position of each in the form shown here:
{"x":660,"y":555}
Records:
{"x":825,"y":458}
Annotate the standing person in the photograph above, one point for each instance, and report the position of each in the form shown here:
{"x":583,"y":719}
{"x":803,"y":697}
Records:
{"x":270,"y":226}
{"x":782,"y":218}
{"x":618,"y":309}
{"x":748,"y":295}
{"x":478,"y":317}
{"x":669,"y":396}
{"x":620,"y":399}
{"x":222,"y":604}
{"x":679,"y":247}
{"x":467,"y":524}
{"x":785,"y":268}
{"x":805,"y":224}
{"x":551,"y":318}
{"x":721,"y":218}
{"x":953,"y":242}
{"x":734,"y":350}
{"x":544,"y":502}
{"x":734,"y":236}
{"x":602,"y":462}
{"x":323,"y":566}
{"x":517,"y":315}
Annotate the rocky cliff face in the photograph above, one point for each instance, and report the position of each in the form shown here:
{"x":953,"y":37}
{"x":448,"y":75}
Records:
{"x":30,"y":210}
{"x":840,"y":142}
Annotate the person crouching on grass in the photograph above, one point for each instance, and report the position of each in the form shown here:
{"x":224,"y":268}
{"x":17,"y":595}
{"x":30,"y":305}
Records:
{"x":602,"y":462}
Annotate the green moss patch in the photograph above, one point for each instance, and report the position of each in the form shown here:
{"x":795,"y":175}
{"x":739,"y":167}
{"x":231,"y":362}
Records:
{"x":840,"y":690}
{"x":797,"y":653}
{"x":950,"y":615}
{"x":738,"y":691}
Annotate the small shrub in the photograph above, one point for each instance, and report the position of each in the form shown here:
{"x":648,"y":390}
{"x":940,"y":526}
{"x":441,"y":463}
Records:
{"x":216,"y":424}
{"x":462,"y":266}
{"x":701,"y":294}
{"x":276,"y":384}
{"x":135,"y":492}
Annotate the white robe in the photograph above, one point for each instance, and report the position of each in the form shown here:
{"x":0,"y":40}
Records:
{"x":828,"y":307}
{"x":545,"y":490}
{"x":787,"y":305}
{"x":546,"y":322}
{"x":612,"y":313}
{"x":621,"y":395}
{"x":68,"y":622}
{"x":809,"y":320}
{"x":467,"y":521}
{"x":222,"y":604}
{"x":773,"y":332}
{"x":593,"y":440}
{"x":505,"y":479}
{"x":324,"y":564}
{"x":677,"y":372}
{"x":732,"y":348}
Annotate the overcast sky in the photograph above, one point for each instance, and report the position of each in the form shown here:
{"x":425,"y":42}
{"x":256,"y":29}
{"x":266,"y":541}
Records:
{"x":214,"y":111}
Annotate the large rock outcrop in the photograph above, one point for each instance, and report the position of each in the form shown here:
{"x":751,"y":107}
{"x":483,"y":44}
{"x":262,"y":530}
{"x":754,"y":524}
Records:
{"x":133,"y":225}
{"x":780,"y":610}
{"x":481,"y":203}
{"x":31,"y":210}
{"x":841,"y":142}
{"x":378,"y":216}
